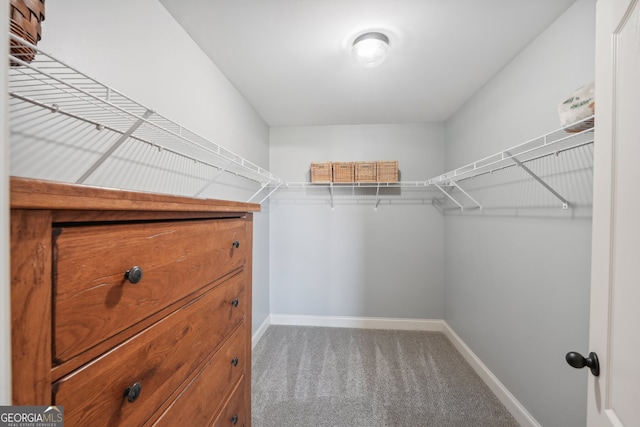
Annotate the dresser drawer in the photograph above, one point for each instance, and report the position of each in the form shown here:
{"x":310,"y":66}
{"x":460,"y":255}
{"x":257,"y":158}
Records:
{"x":234,"y":413}
{"x":94,"y":299}
{"x":211,"y":387}
{"x":159,"y":359}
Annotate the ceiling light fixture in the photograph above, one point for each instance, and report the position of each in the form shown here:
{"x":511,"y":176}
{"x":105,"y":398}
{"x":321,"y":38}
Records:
{"x":370,"y":49}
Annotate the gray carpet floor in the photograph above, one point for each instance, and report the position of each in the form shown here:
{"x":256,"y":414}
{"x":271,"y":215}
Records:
{"x":337,"y":377}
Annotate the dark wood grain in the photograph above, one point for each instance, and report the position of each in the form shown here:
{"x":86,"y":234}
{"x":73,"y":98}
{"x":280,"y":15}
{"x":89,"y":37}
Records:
{"x":65,"y":368}
{"x":163,"y":336}
{"x":38,"y":194}
{"x":207,"y":392}
{"x":159,"y":358}
{"x":64,"y":216}
{"x":235,"y":407}
{"x":31,"y":307}
{"x":249,"y":322}
{"x":93,"y":300}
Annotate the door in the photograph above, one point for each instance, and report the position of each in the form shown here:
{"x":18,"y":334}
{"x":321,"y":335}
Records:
{"x":613,"y":397}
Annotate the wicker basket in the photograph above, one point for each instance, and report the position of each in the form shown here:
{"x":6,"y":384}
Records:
{"x":321,"y":172}
{"x":366,"y":172}
{"x":343,"y":172}
{"x":26,"y":23}
{"x":387,"y":171}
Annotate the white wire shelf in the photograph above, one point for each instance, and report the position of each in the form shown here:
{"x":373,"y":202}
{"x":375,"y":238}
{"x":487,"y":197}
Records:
{"x":552,"y":143}
{"x":66,"y":126}
{"x":556,"y":142}
{"x":83,"y":131}
{"x":449,"y":185}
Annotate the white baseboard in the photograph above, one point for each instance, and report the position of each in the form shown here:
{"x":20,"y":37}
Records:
{"x":358,"y":322}
{"x":508,"y":400}
{"x":260,"y":331}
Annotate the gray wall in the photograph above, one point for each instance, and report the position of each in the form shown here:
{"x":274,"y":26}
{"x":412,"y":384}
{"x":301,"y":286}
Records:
{"x":517,"y":286}
{"x":354,"y":261}
{"x":137,"y":48}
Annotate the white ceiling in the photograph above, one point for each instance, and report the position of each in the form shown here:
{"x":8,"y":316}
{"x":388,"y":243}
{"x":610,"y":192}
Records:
{"x":291,"y":58}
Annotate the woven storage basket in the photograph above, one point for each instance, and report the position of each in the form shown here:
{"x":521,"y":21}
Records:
{"x":26,"y":23}
{"x":366,"y":172}
{"x":343,"y":172}
{"x":321,"y":172}
{"x":387,"y":171}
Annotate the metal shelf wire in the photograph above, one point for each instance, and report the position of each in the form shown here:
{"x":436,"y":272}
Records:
{"x":410,"y":192}
{"x":576,"y":135}
{"x":552,"y":143}
{"x":449,"y":185}
{"x":83,"y":131}
{"x":66,"y":126}
{"x":399,"y":184}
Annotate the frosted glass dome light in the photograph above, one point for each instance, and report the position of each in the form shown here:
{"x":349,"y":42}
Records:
{"x":370,"y":49}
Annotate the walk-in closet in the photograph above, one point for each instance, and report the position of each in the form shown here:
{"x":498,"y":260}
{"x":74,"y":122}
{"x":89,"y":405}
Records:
{"x":217,"y":213}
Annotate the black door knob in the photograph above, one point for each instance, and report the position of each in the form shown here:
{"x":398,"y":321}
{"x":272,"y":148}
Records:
{"x":578,"y":361}
{"x":236,"y":244}
{"x":235,"y":302}
{"x":134,"y":274}
{"x":234,"y":420}
{"x":133,"y":392}
{"x":234,"y":361}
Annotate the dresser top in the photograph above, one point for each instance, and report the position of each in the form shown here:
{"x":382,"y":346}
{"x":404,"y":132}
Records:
{"x":37,"y":194}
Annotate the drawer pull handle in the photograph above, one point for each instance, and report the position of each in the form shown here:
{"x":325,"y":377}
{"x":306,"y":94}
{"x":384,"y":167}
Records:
{"x":234,"y":419}
{"x":234,"y":361}
{"x":235,"y":302}
{"x":134,"y":274}
{"x":133,"y":392}
{"x":236,"y":244}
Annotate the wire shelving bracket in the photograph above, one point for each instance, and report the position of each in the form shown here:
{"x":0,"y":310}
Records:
{"x":80,"y":103}
{"x":573,"y":136}
{"x":49,"y":97}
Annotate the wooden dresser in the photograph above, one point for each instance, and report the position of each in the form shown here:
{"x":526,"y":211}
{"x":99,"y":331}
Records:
{"x":131,"y":308}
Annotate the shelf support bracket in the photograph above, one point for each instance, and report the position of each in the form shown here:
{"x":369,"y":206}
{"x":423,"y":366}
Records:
{"x":565,"y":202}
{"x":268,"y":195}
{"x":449,"y":196}
{"x":331,"y":195}
{"x":262,"y":187}
{"x":114,"y":147}
{"x":215,"y":178}
{"x":455,"y":184}
{"x":375,"y":208}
